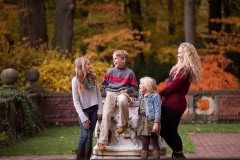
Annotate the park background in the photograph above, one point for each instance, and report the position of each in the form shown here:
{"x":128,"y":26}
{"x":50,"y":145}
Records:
{"x":48,"y":35}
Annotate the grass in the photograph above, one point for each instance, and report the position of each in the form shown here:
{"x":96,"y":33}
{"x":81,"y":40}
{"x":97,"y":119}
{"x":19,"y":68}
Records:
{"x":62,"y":140}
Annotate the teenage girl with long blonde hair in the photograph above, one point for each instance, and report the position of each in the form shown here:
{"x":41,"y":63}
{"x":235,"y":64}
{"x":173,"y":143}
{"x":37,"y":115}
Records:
{"x":87,"y":100}
{"x":187,"y":71}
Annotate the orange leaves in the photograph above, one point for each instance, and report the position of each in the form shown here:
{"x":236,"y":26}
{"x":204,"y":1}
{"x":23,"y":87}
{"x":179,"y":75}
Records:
{"x":213,"y":75}
{"x":109,"y":42}
{"x":225,"y":42}
{"x":229,"y":20}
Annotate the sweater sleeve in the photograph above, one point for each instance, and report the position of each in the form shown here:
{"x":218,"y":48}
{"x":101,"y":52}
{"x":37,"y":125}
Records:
{"x":76,"y":101}
{"x":133,"y":86}
{"x":174,"y":84}
{"x":105,"y":82}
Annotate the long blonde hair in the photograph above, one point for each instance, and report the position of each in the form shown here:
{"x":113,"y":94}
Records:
{"x":191,"y":61}
{"x":81,"y":74}
{"x":150,"y":84}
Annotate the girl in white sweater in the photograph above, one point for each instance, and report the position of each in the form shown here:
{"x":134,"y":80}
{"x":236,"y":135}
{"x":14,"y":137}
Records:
{"x":87,"y":100}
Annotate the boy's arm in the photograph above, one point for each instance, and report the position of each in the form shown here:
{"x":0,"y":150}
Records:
{"x":105,"y":83}
{"x":133,"y":86}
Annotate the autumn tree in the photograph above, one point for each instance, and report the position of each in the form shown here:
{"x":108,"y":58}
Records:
{"x":171,"y":25}
{"x":214,"y":76}
{"x":63,"y":29}
{"x":32,"y":22}
{"x":190,"y":23}
{"x":227,"y":44}
{"x":215,"y":7}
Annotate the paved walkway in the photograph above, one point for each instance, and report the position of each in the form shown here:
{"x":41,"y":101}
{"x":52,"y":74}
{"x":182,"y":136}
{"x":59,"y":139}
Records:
{"x":209,"y":146}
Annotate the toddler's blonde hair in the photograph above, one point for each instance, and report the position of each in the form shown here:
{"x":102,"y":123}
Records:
{"x":150,"y":84}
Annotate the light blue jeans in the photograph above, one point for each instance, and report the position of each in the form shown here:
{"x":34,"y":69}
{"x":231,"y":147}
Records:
{"x":86,"y":135}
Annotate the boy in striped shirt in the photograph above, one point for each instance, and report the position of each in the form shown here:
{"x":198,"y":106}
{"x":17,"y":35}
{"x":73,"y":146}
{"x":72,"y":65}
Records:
{"x":118,"y":83}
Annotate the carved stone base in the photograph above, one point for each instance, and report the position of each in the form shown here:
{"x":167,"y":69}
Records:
{"x":126,"y":145}
{"x":121,"y":153}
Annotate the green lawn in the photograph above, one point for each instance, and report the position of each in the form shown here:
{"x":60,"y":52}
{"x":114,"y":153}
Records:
{"x":62,"y":140}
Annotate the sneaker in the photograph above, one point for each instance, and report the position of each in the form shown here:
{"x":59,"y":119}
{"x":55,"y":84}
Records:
{"x":121,"y":129}
{"x":101,"y":146}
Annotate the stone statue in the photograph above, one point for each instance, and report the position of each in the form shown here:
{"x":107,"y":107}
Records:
{"x":126,"y":145}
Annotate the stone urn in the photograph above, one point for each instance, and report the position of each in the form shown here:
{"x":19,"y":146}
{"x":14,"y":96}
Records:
{"x":32,"y":76}
{"x":9,"y":76}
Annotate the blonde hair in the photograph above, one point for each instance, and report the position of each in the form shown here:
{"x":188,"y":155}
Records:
{"x":150,"y":84}
{"x":80,"y":72}
{"x":191,"y":61}
{"x":121,"y":53}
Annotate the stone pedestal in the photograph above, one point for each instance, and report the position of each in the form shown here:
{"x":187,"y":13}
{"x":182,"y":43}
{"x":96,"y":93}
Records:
{"x":126,"y":145}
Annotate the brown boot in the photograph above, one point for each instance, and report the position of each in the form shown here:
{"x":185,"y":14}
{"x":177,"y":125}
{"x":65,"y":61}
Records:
{"x":88,"y":152}
{"x":144,"y":154}
{"x":156,"y":154}
{"x":80,"y":153}
{"x":101,"y":146}
{"x":122,"y":129}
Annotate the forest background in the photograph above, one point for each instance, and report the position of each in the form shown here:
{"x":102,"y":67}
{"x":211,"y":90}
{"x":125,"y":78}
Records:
{"x":48,"y":35}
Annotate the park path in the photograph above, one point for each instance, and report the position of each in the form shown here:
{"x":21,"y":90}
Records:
{"x":209,"y":146}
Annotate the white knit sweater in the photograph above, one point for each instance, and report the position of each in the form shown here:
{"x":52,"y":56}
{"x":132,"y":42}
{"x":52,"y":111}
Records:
{"x":85,"y":99}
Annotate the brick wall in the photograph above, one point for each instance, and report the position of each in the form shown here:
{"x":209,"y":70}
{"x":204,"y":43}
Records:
{"x":229,"y":106}
{"x":57,"y":108}
{"x":228,"y":103}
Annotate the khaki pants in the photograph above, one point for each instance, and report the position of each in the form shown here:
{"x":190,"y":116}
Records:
{"x":113,"y":99}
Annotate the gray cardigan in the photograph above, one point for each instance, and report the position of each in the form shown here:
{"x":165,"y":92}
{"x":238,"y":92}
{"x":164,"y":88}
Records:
{"x":85,"y":99}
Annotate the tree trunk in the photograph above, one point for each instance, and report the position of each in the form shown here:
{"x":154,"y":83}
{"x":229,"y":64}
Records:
{"x":136,"y":18}
{"x":171,"y":26}
{"x":136,"y":21}
{"x":226,"y":12}
{"x":190,"y":24}
{"x":32,"y":19}
{"x":63,"y":30}
{"x":214,"y":12}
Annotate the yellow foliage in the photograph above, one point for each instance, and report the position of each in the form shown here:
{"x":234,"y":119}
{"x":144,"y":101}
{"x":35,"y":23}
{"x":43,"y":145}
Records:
{"x":167,"y":54}
{"x":8,"y":22}
{"x":21,"y":57}
{"x":99,"y":67}
{"x":55,"y":69}
{"x":121,"y":39}
{"x":56,"y":73}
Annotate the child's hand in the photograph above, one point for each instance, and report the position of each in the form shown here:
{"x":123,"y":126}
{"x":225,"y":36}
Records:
{"x":155,"y":128}
{"x":131,"y":100}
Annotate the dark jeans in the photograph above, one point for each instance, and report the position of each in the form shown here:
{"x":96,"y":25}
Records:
{"x":170,"y":119}
{"x":86,"y":135}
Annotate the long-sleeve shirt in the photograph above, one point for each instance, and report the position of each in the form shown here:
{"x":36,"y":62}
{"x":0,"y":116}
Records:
{"x":173,"y":95}
{"x":85,"y":99}
{"x":117,"y":79}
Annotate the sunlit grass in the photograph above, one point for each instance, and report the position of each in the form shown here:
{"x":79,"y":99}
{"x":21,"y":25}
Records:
{"x":62,"y":140}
